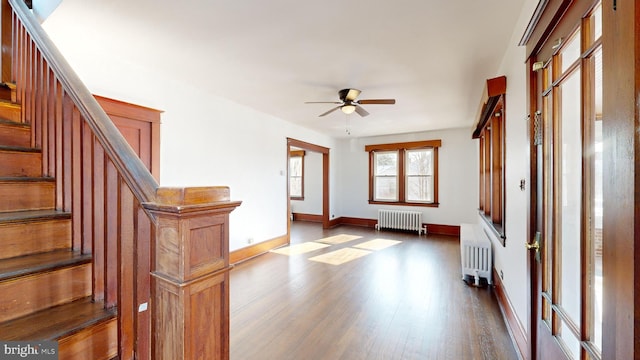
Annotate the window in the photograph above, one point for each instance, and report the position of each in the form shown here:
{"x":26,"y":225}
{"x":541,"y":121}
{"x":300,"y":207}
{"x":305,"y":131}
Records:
{"x":404,"y":173}
{"x":491,"y":133}
{"x":296,"y":175}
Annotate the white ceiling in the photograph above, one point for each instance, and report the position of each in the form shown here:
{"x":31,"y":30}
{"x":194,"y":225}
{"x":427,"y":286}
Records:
{"x":432,"y":56}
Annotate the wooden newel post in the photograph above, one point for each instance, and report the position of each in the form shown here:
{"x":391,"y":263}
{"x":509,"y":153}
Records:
{"x":190,"y":273}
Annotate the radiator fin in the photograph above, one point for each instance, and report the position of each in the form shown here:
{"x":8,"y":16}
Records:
{"x":400,"y":220}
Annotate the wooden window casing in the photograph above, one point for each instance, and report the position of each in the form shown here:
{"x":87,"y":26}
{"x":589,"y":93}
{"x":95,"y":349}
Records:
{"x":401,"y":149}
{"x":297,"y":154}
{"x":490,"y":131}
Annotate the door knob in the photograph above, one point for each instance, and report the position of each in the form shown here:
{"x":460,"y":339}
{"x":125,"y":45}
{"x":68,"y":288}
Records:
{"x":533,"y":246}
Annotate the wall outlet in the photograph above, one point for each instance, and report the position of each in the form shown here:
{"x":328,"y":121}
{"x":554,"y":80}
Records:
{"x":501,"y":275}
{"x":250,"y":241}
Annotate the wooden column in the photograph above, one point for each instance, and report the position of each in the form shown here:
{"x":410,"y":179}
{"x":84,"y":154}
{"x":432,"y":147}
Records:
{"x":190,"y":273}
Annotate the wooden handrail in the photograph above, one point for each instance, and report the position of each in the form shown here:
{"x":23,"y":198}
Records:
{"x":128,"y":164}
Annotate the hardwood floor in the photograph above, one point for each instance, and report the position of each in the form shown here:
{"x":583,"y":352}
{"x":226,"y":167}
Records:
{"x":406,"y":301}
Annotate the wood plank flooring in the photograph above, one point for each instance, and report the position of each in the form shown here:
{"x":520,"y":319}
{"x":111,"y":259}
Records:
{"x":405,"y":301}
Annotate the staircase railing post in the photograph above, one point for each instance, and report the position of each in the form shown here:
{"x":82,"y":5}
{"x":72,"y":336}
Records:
{"x":190,"y":273}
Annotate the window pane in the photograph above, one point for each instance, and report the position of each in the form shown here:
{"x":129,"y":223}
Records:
{"x":386,"y":176}
{"x":386,"y":163}
{"x":295,"y":166}
{"x":597,"y":204}
{"x":571,"y":52}
{"x":571,"y":196}
{"x":596,"y":23}
{"x":419,"y":162}
{"x":419,"y":171}
{"x":295,"y":184}
{"x":570,"y":341}
{"x":420,"y":188}
{"x":386,"y":188}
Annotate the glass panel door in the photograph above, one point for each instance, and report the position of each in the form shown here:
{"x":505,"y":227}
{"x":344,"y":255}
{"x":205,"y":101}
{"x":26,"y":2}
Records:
{"x":571,"y":277}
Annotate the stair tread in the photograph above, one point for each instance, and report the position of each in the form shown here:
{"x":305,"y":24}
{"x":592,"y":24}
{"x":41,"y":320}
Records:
{"x":57,"y":322}
{"x":9,"y":103}
{"x":19,"y":149}
{"x":26,"y":179}
{"x":31,"y":215}
{"x":31,"y":264}
{"x":8,"y":122}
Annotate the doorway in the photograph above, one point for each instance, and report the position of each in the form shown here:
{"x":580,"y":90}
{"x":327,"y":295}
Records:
{"x":297,"y":144}
{"x":565,"y":264}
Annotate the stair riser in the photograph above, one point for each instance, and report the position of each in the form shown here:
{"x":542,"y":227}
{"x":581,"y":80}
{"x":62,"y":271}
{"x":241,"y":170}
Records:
{"x":32,"y":293}
{"x":96,"y":342}
{"x":28,"y":195}
{"x":15,"y":136}
{"x":15,"y":163}
{"x":10,"y":112}
{"x":18,"y":239}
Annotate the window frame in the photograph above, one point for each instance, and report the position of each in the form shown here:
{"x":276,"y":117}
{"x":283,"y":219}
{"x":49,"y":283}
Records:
{"x":401,"y":149}
{"x":492,"y":155}
{"x":295,"y":154}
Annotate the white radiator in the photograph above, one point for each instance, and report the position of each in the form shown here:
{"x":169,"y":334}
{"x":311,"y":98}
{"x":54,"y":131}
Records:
{"x":475,"y":253}
{"x":400,"y":220}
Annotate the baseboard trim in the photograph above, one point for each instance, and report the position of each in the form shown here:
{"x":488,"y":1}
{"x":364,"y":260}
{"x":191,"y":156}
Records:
{"x":307,"y":217}
{"x":357,"y":221}
{"x":437,"y":229}
{"x":516,"y":330}
{"x":249,"y":252}
{"x":451,"y":230}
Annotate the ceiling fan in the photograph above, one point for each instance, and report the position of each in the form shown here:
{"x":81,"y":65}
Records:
{"x":348,"y":103}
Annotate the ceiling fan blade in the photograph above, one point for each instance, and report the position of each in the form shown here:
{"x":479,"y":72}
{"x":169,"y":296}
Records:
{"x":330,"y":111}
{"x":378,"y":101}
{"x":323,"y":102}
{"x":362,"y":112}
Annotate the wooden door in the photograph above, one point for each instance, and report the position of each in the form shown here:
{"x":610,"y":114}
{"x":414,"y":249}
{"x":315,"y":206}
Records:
{"x":566,"y":259}
{"x":140,"y":126}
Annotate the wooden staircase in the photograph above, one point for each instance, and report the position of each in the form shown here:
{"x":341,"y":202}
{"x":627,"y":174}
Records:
{"x":46,"y":285}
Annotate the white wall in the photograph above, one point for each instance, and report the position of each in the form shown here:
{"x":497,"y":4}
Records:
{"x":312,"y":203}
{"x":458,"y":176}
{"x":511,"y":259}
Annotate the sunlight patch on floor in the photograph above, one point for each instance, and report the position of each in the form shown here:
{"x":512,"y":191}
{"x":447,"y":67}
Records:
{"x":377,"y":244}
{"x":339,"y":239}
{"x":341,"y":256}
{"x":300,"y":248}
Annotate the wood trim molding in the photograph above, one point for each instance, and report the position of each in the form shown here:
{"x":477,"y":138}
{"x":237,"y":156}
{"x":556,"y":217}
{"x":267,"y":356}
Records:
{"x":326,"y":223}
{"x":493,"y":92}
{"x":307,"y":146}
{"x":307,"y":217}
{"x":371,"y":223}
{"x":516,"y":330}
{"x":249,"y":252}
{"x":533,"y":22}
{"x":404,"y":145}
{"x":437,"y":229}
{"x":451,"y":230}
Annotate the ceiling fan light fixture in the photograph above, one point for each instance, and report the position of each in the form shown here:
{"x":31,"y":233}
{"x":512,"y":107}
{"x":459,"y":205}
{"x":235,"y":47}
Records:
{"x":348,"y":109}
